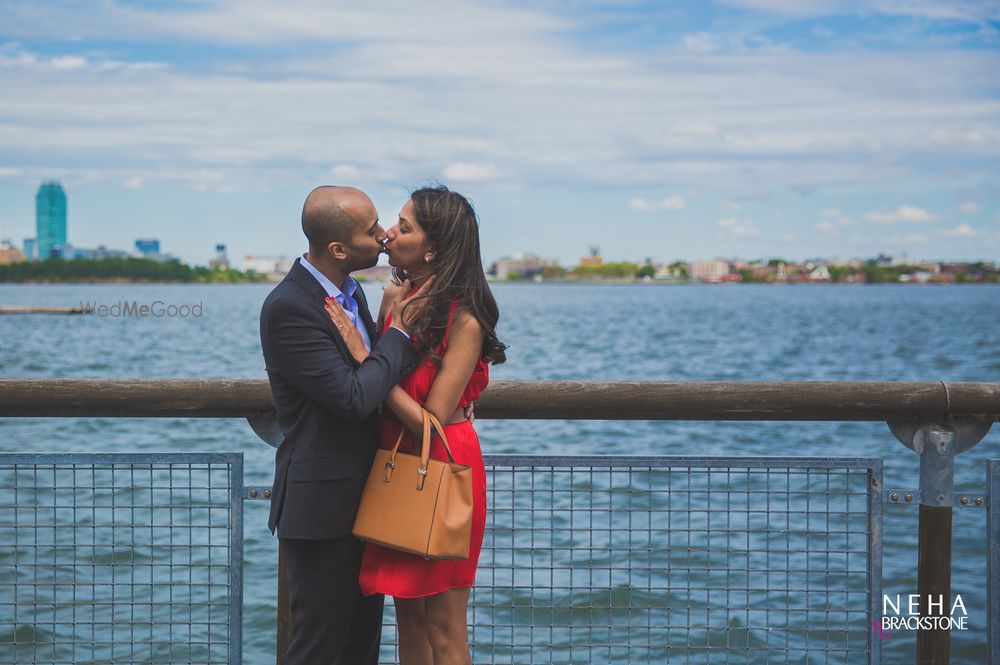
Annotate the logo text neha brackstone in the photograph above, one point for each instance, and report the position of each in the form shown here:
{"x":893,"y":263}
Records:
{"x":133,"y":308}
{"x":900,"y":615}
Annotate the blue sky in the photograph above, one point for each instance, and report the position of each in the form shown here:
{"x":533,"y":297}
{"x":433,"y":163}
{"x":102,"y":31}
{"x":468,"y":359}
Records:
{"x":739,"y":128}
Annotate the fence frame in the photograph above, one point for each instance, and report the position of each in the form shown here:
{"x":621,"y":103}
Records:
{"x":234,"y":462}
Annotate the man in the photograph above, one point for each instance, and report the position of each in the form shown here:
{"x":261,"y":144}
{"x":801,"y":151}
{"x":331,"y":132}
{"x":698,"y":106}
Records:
{"x":327,"y":407}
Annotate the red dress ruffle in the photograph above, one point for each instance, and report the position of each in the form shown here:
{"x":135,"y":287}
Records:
{"x":403,"y":575}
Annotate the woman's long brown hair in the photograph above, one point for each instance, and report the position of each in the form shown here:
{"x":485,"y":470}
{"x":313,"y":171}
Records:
{"x":452,"y":229}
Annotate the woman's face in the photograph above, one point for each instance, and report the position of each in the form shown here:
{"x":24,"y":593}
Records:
{"x":406,"y":243}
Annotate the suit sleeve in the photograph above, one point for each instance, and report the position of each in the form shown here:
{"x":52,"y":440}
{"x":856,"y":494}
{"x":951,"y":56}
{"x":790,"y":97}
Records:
{"x":302,"y":351}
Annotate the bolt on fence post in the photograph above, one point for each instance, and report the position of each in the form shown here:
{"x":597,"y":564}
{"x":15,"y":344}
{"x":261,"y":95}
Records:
{"x":937,"y":444}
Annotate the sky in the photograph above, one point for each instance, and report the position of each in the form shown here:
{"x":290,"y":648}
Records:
{"x":661,"y":130}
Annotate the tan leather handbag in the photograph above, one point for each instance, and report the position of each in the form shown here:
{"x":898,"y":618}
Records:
{"x":417,"y":504}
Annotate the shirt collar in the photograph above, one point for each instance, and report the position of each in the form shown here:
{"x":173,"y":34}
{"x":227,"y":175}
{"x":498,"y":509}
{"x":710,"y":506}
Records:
{"x":324,"y":281}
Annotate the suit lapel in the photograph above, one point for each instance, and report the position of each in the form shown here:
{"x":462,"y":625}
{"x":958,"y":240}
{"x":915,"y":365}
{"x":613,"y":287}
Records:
{"x":318,"y":294}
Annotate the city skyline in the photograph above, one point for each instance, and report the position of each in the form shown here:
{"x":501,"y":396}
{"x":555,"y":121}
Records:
{"x":733,"y":128}
{"x":51,"y":224}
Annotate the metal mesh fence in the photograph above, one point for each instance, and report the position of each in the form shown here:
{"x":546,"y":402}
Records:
{"x":120,"y":558}
{"x":679,"y":559}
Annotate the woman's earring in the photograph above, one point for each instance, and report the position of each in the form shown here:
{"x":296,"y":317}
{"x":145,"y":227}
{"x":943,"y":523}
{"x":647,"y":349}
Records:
{"x":428,"y":258}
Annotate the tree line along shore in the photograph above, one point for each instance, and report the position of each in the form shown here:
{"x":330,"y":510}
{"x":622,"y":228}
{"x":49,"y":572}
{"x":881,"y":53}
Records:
{"x":774,"y":271}
{"x":130,"y":270}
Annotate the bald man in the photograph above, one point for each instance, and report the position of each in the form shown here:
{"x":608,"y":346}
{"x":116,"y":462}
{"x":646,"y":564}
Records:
{"x":327,"y":406}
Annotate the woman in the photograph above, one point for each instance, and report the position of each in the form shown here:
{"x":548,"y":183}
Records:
{"x":436,"y":243}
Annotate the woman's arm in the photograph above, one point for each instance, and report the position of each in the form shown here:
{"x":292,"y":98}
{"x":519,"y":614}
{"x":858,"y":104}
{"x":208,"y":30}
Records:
{"x":465,"y":345}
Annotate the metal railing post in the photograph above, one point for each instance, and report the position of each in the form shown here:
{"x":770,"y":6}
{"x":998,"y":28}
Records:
{"x":937,"y":444}
{"x":993,"y":559}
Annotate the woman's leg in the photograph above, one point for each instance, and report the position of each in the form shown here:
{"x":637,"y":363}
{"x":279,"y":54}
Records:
{"x":446,"y":614}
{"x":414,"y":649}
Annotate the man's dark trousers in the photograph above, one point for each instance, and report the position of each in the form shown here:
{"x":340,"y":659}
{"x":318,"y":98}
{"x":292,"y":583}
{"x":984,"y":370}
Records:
{"x":328,"y":611}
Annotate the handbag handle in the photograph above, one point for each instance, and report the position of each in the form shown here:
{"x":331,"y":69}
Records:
{"x":427,"y":419}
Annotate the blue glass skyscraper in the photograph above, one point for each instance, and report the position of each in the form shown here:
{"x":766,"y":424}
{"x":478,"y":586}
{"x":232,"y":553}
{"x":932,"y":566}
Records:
{"x":50,"y":218}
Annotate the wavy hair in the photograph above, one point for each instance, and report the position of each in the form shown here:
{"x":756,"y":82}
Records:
{"x":452,"y":228}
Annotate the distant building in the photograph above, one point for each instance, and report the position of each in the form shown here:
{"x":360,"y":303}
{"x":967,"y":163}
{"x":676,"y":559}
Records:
{"x":819,"y":274}
{"x":715,"y":270}
{"x":221,"y":261}
{"x":50,"y":219}
{"x":274,"y":267}
{"x":71,"y":253}
{"x":593,"y":260}
{"x":522,"y":264}
{"x":10,"y":255}
{"x":147,"y":247}
{"x":150,"y":249}
{"x":30,"y":249}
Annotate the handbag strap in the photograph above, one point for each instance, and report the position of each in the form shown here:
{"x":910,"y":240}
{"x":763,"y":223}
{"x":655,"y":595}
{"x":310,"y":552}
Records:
{"x":444,"y":439}
{"x":426,"y":419}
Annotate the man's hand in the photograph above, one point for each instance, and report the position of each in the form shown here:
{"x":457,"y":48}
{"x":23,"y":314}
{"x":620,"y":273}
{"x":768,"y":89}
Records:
{"x":403,"y":311}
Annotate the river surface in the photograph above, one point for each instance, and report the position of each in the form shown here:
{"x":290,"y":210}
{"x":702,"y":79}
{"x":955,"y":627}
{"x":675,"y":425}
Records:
{"x":561,"y":332}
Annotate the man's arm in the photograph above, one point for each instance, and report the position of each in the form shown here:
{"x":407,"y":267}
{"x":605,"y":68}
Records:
{"x":303,"y":352}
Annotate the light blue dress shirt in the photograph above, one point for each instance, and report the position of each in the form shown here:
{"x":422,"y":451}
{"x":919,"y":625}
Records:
{"x":345,"y":298}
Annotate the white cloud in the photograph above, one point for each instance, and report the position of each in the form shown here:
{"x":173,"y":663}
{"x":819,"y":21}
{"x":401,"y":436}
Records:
{"x":513,"y":94}
{"x":738,"y":228}
{"x":969,"y":207}
{"x":670,"y":203}
{"x":69,"y":62}
{"x":699,"y":42}
{"x":903,"y":213}
{"x":345,"y":173}
{"x":974,"y":11}
{"x":826,"y":226}
{"x":961,"y":231}
{"x":133,"y":183}
{"x":834,"y":216}
{"x":471,"y":172}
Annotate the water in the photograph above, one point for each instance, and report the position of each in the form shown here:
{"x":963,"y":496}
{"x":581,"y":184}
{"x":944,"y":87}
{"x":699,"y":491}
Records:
{"x":561,"y":332}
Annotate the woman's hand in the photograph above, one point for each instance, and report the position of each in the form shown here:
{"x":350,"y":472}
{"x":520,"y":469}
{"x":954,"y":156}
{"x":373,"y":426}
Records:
{"x":400,"y":301}
{"x":355,"y":344}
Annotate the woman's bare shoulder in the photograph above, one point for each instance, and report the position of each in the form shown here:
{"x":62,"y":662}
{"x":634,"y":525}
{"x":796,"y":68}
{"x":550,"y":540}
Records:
{"x":465,"y":322}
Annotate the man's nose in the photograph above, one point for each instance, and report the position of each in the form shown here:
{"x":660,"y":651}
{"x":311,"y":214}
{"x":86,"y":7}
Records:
{"x":380,"y":234}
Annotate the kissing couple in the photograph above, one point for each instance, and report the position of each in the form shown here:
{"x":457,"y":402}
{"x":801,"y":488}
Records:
{"x":346,"y":383}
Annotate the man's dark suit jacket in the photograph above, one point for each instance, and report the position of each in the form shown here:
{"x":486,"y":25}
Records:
{"x":327,"y":407}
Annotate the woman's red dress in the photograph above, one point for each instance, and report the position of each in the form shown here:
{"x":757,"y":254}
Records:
{"x":403,"y":575}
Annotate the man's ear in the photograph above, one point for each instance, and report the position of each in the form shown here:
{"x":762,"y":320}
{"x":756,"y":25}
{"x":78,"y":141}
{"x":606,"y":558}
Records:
{"x":337,"y":250}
